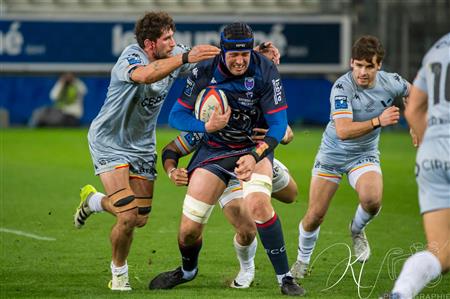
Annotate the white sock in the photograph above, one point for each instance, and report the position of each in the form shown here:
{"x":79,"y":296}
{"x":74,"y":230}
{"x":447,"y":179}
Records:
{"x":306,"y":243}
{"x":418,"y":270}
{"x":246,"y":254}
{"x":280,"y":277}
{"x":189,"y":274}
{"x":119,"y":270}
{"x":361,"y":219}
{"x":95,"y":202}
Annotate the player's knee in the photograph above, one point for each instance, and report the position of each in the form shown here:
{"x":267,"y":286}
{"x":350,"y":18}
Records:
{"x":189,"y":235}
{"x":246,"y":233}
{"x":371,"y":204}
{"x":127,"y":221}
{"x":312,"y":220}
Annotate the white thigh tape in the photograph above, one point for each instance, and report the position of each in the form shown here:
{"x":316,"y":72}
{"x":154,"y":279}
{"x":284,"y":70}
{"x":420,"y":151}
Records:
{"x":196,"y":210}
{"x":258,"y":183}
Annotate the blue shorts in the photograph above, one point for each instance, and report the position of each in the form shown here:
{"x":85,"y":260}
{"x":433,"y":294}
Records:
{"x":219,"y":161}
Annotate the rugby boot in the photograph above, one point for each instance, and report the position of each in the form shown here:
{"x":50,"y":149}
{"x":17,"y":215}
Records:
{"x":119,"y":283}
{"x":290,"y":287}
{"x":169,"y":279}
{"x":244,"y":278}
{"x":361,"y":248}
{"x":83,"y":211}
{"x":300,"y":269}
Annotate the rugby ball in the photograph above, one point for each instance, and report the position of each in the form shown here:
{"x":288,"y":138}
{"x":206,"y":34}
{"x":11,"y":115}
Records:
{"x":209,"y":99}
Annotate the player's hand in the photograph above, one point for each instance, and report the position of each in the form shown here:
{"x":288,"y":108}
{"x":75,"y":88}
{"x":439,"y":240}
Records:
{"x":217,"y":121}
{"x":414,"y":138}
{"x":179,"y":176}
{"x":244,"y":167}
{"x":202,"y":52}
{"x":390,"y":116}
{"x":259,"y":134}
{"x":269,"y":50}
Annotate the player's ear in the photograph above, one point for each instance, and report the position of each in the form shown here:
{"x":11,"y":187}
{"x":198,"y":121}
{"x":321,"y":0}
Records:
{"x":148,"y":44}
{"x":379,"y":65}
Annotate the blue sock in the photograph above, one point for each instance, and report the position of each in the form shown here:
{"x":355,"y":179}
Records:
{"x":189,"y":254}
{"x":271,"y":236}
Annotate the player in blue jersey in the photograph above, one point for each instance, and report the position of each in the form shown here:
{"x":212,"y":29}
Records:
{"x":428,"y":114}
{"x":255,"y":94}
{"x":231,"y":201}
{"x":361,"y":104}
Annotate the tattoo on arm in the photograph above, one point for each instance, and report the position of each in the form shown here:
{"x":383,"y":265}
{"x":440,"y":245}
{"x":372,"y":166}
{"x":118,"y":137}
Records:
{"x":155,"y":65}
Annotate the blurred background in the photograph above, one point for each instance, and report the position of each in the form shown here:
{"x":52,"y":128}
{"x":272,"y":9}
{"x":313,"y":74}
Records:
{"x":43,"y":42}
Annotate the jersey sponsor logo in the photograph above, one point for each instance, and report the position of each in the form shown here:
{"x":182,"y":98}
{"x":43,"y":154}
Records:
{"x":397,"y":78}
{"x":195,"y":72}
{"x":435,"y":165}
{"x":192,"y":138}
{"x":277,"y":91}
{"x":385,"y":104}
{"x":189,"y":86}
{"x":340,"y":102}
{"x":339,"y":86}
{"x":249,"y":94}
{"x":153,"y":101}
{"x":134,"y":59}
{"x":249,"y":83}
{"x":275,"y":251}
{"x":213,"y":81}
{"x":246,"y":102}
{"x":146,"y":167}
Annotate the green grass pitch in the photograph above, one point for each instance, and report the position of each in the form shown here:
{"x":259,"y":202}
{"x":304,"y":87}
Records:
{"x":41,"y":172}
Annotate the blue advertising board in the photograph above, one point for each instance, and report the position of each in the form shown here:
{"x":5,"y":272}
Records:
{"x":307,"y":44}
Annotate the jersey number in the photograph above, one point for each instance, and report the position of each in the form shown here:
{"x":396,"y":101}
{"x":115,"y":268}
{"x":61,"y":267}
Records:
{"x":436,"y":68}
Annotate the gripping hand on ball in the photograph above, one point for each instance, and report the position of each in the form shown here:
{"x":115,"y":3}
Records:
{"x":217,"y":121}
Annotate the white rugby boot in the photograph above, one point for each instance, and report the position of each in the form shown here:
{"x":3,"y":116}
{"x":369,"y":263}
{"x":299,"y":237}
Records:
{"x":361,"y":248}
{"x":119,"y":283}
{"x":299,"y":269}
{"x":244,"y":278}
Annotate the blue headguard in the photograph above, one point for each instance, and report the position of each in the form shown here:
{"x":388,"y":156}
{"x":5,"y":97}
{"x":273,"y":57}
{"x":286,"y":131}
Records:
{"x":236,"y":37}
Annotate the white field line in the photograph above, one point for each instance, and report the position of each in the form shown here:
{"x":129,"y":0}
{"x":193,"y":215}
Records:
{"x":25,"y":234}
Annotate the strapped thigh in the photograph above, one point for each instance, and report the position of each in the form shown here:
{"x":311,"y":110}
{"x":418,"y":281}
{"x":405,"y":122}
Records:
{"x":144,"y":204}
{"x":123,"y":200}
{"x":258,"y":183}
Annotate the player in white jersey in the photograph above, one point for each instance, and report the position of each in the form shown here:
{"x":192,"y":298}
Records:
{"x":428,"y":114}
{"x":361,"y":103}
{"x":122,"y":136}
{"x":284,"y":189}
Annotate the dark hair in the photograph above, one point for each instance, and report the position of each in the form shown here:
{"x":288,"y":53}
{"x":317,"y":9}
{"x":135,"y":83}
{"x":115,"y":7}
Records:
{"x":366,"y":47}
{"x":152,"y":25}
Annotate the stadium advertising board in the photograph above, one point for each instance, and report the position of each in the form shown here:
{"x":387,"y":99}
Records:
{"x":307,"y":44}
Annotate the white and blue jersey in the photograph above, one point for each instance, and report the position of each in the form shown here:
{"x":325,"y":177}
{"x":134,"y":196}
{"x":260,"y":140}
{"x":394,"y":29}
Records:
{"x":349,"y":100}
{"x":433,"y":157}
{"x":124,"y":130}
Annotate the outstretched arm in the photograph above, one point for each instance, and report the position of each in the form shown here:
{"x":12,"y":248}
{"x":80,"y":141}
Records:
{"x":161,"y":68}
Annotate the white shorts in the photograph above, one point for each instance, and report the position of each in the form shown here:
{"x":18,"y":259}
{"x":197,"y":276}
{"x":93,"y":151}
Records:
{"x":354,"y":167}
{"x":433,"y":174}
{"x":280,"y":180}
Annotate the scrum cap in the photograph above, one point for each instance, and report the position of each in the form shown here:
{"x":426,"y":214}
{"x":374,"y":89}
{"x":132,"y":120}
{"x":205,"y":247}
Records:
{"x":236,"y":37}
